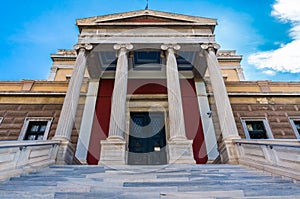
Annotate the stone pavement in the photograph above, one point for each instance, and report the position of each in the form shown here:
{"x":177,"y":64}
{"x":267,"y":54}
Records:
{"x":167,"y":181}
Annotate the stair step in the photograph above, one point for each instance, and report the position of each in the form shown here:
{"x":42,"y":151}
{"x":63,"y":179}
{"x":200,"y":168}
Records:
{"x":25,"y":195}
{"x":204,"y":194}
{"x":164,"y":181}
{"x":90,"y":195}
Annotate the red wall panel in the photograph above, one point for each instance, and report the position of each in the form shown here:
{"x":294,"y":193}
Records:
{"x":190,"y":109}
{"x":147,"y":86}
{"x":193,"y":125}
{"x":100,"y":127}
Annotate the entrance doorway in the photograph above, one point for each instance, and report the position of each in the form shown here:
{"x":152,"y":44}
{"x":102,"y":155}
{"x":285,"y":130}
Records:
{"x":147,"y":139}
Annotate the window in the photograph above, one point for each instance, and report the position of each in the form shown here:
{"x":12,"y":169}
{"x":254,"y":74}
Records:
{"x":295,"y":122}
{"x":185,"y":60}
{"x":147,"y":60}
{"x":256,"y":128}
{"x":108,"y":60}
{"x":35,"y":129}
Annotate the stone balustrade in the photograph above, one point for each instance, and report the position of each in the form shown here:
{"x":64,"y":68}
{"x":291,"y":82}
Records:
{"x":19,"y":157}
{"x":280,"y":157}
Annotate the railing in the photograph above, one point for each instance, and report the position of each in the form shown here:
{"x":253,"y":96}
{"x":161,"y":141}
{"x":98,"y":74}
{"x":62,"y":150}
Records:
{"x":278,"y":156}
{"x":18,"y":157}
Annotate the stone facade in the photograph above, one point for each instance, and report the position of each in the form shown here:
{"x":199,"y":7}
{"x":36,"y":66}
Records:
{"x":92,"y":90}
{"x":33,"y":99}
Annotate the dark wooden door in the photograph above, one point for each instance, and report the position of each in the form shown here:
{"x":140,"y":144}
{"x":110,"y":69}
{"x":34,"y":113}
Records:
{"x":147,"y":139}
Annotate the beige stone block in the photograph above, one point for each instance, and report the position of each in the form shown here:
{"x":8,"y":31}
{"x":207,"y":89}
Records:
{"x":180,"y":152}
{"x":52,"y":107}
{"x":16,"y":113}
{"x":30,"y":107}
{"x":112,"y":152}
{"x":9,"y":107}
{"x":11,"y":126}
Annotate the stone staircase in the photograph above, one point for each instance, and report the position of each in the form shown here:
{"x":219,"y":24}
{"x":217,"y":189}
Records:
{"x":168,"y":181}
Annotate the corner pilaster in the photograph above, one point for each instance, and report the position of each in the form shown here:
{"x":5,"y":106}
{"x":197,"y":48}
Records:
{"x":224,"y":110}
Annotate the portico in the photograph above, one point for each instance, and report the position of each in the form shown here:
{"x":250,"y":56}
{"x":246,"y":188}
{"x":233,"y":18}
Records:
{"x":148,"y":67}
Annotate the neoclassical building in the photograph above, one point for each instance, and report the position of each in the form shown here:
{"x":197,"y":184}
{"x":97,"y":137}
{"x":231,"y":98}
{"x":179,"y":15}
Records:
{"x":149,"y":88}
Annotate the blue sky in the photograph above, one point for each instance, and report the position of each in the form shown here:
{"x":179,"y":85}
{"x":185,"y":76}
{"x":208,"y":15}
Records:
{"x":265,"y":32}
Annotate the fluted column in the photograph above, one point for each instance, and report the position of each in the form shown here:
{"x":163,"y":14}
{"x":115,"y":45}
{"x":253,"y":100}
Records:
{"x":113,"y":148}
{"x":176,"y":117}
{"x":117,"y":123}
{"x":224,"y":110}
{"x":67,"y":116}
{"x":68,"y":112}
{"x":179,"y":147}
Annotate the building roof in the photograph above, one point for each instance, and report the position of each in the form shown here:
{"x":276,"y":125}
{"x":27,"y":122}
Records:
{"x":146,"y":17}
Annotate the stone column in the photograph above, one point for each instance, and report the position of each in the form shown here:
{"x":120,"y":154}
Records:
{"x":113,"y":148}
{"x":68,"y":112}
{"x":117,"y":123}
{"x":87,"y":121}
{"x":179,"y":147}
{"x":228,"y":127}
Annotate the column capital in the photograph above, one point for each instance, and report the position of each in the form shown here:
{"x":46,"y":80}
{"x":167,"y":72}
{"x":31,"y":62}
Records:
{"x":84,"y":46}
{"x":170,"y":46}
{"x":126,"y":46}
{"x":210,"y":46}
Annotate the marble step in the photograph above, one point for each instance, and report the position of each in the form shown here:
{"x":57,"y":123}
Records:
{"x":26,"y":195}
{"x":167,"y":181}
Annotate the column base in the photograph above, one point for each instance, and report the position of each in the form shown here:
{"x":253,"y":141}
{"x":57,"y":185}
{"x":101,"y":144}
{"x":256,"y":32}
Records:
{"x":112,"y":152}
{"x":66,"y":154}
{"x":180,"y":151}
{"x":228,"y":152}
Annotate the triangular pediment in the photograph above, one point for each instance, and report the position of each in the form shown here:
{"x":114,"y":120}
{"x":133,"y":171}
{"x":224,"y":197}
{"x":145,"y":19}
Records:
{"x":146,"y":17}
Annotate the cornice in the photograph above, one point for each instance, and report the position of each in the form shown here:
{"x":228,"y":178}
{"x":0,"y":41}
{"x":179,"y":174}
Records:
{"x":177,"y":18}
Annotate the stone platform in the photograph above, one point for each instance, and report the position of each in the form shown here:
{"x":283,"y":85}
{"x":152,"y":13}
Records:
{"x":167,"y":181}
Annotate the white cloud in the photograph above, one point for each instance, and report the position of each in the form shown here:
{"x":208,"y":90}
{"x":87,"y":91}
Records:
{"x":287,"y":57}
{"x":269,"y":72}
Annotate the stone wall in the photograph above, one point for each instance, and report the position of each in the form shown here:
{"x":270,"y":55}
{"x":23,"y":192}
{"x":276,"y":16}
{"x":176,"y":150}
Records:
{"x":277,"y":116}
{"x":14,"y":116}
{"x":274,"y":101}
{"x":19,"y":100}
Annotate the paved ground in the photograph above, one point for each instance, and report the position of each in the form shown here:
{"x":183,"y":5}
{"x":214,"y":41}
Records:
{"x":168,"y":181}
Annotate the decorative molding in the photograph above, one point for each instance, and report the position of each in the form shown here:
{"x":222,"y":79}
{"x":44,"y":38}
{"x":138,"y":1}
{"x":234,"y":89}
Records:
{"x":127,"y":46}
{"x":13,"y":93}
{"x":170,"y":46}
{"x":210,"y":46}
{"x":85,"y":46}
{"x":172,"y":18}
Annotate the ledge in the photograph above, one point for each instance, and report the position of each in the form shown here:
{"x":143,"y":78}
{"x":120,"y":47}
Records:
{"x":9,"y":144}
{"x":270,"y":142}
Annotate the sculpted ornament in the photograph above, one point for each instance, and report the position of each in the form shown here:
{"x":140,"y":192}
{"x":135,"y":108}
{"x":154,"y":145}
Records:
{"x":170,"y":46}
{"x":126,"y":46}
{"x":210,"y":46}
{"x":85,"y":46}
